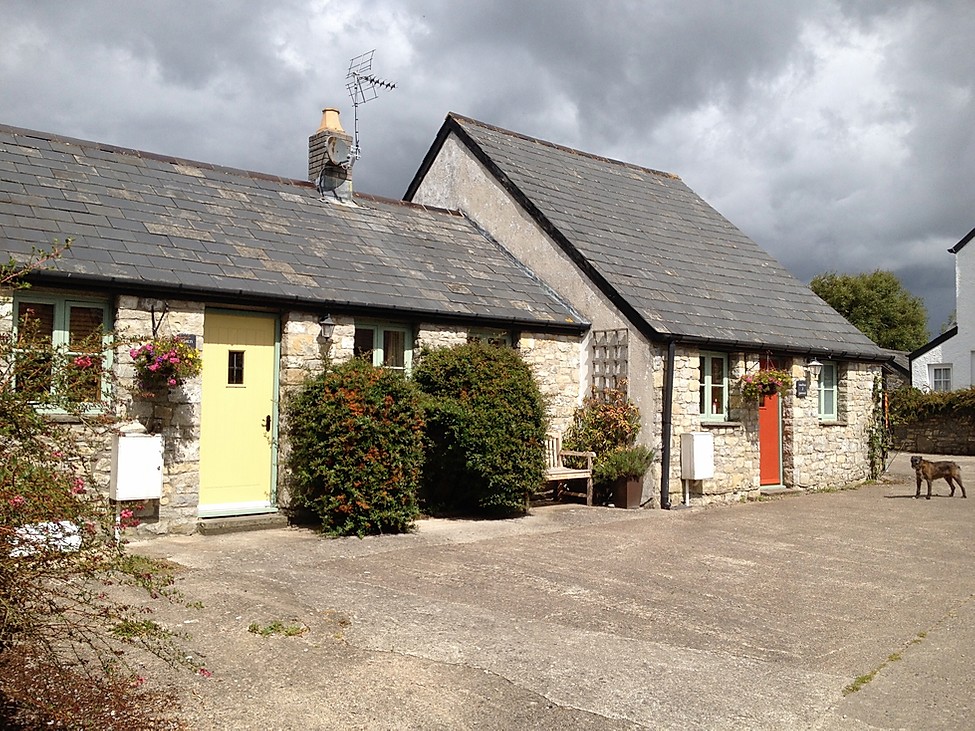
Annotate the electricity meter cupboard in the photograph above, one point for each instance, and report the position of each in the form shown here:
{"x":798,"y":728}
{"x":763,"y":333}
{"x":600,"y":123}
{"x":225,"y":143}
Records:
{"x":137,"y":462}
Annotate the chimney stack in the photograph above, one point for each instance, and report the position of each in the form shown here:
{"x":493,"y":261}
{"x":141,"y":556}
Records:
{"x":329,"y":166}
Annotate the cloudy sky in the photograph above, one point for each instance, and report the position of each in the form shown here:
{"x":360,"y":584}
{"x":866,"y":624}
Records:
{"x":836,"y":133}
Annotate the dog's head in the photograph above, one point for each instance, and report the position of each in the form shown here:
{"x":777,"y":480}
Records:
{"x":916,"y":461}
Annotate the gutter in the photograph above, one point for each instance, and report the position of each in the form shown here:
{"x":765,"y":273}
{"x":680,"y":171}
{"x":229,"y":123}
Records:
{"x":667,"y":425}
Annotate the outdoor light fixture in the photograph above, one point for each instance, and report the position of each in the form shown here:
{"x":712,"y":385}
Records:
{"x":815,"y":368}
{"x":327,"y":324}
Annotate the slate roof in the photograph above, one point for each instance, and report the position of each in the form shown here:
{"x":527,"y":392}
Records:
{"x":669,"y":261}
{"x":156,"y":223}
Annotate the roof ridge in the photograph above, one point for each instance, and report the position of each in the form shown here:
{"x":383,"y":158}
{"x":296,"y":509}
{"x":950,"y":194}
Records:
{"x":146,"y":155}
{"x":564,"y":148}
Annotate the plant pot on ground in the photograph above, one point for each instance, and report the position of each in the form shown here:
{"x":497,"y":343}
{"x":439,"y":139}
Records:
{"x":621,"y":471}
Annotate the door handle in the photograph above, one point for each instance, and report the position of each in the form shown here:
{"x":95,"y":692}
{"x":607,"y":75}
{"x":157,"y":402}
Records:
{"x":267,"y":423}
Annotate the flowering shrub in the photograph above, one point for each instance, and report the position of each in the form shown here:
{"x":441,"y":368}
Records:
{"x":165,"y":363}
{"x":356,"y":449}
{"x":59,"y":555}
{"x":608,"y":424}
{"x":764,"y":383}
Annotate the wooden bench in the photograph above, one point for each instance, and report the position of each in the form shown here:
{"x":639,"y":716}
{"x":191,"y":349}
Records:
{"x":556,"y":471}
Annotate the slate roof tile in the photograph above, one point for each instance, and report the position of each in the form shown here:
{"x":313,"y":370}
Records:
{"x":684,"y":268}
{"x":155,"y":221}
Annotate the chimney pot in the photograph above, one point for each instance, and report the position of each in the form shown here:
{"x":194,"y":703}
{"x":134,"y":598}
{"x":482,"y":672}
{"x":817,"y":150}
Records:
{"x":330,"y":121}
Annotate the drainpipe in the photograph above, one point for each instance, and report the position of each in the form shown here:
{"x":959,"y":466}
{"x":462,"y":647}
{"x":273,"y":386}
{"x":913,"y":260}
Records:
{"x":667,"y":426}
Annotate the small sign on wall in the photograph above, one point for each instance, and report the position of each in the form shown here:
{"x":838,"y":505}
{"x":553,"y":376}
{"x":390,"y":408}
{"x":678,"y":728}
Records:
{"x":187,"y":338}
{"x":802,"y":389}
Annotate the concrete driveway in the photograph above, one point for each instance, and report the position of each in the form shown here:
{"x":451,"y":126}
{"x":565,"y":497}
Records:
{"x":752,"y":616}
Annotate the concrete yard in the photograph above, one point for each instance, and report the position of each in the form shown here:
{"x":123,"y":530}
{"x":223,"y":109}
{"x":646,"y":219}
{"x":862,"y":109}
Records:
{"x":751,"y":616}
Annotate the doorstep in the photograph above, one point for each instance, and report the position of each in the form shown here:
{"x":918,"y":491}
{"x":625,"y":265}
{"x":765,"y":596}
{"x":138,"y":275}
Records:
{"x":780,"y":490}
{"x":241,"y":523}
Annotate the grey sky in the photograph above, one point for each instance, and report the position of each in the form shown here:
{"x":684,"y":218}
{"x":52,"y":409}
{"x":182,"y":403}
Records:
{"x":838,"y":133}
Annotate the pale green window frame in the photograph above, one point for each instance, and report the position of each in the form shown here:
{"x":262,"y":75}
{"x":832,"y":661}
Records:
{"x":384,"y":345}
{"x":828,"y":393}
{"x":714,"y":386}
{"x":61,"y":331}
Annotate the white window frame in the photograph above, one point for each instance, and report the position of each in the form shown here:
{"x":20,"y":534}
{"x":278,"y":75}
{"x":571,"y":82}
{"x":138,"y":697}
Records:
{"x":941,"y":383}
{"x":828,"y":384}
{"x":707,"y":385}
{"x":378,"y":329}
{"x":61,"y":336}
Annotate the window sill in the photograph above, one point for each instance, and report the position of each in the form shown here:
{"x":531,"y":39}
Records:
{"x":833,"y":422}
{"x":721,"y":424}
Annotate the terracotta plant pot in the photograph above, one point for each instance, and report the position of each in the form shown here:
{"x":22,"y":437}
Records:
{"x":627,"y":492}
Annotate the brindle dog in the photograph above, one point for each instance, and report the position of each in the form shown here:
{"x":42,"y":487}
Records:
{"x":931,"y":471}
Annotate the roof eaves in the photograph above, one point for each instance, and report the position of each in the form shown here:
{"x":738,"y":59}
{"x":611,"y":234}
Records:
{"x":960,"y":245}
{"x":128,"y":286}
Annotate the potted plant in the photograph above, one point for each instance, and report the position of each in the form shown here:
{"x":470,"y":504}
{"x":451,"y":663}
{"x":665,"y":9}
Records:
{"x":622,"y":470}
{"x":164,"y":363}
{"x":764,"y":383}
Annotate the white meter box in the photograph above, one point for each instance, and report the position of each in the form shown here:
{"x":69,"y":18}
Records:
{"x":697,"y":455}
{"x":137,"y":462}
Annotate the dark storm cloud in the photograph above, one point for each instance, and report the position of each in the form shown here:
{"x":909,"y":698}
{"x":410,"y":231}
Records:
{"x":837,"y":134}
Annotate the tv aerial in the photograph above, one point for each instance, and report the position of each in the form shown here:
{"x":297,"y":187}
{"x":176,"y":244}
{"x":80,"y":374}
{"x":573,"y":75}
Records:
{"x":363,"y":86}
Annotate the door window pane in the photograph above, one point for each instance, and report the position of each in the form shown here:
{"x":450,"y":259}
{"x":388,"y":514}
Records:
{"x":235,"y":367}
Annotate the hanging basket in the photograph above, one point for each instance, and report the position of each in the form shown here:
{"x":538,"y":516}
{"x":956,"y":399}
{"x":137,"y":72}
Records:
{"x":764,"y":383}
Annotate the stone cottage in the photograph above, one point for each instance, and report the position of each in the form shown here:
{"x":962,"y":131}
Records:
{"x":266,"y":277}
{"x":683,"y":306}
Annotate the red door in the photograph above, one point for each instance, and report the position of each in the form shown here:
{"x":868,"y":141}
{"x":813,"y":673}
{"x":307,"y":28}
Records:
{"x":769,"y":441}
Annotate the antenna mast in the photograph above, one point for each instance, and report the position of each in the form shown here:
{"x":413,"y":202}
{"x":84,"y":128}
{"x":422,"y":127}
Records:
{"x":362,"y":86}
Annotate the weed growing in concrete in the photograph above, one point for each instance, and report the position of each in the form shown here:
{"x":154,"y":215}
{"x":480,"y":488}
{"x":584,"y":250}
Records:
{"x":277,"y":627}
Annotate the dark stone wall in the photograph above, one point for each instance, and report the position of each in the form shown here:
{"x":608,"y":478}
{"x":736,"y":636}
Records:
{"x":949,"y":434}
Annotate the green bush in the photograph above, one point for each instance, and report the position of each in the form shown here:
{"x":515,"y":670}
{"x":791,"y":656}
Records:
{"x":910,"y":405}
{"x":485,"y":430}
{"x":628,"y":462}
{"x":356,"y":449}
{"x":606,"y":421}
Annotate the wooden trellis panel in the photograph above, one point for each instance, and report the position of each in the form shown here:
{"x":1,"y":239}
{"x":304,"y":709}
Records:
{"x":610,"y":354}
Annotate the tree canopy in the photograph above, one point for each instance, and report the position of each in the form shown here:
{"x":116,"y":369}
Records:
{"x":879,"y":305}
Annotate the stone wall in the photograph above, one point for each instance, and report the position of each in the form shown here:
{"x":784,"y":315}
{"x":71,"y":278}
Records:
{"x":175,"y":414}
{"x":555,"y":361}
{"x":948,"y":434}
{"x":815,"y":454}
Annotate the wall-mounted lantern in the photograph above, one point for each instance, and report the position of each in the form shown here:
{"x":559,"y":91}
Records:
{"x":327,"y":325}
{"x":814,"y":368}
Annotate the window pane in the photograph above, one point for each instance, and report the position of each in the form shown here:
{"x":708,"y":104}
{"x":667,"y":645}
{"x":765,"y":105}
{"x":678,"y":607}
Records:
{"x":717,"y":400}
{"x":86,"y":378}
{"x":35,"y":323}
{"x":85,"y":328}
{"x":235,"y":367}
{"x":717,"y":370}
{"x":33,"y":372}
{"x":394,"y":349}
{"x":364,"y":344}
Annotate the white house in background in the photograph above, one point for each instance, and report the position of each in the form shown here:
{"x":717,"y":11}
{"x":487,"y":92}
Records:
{"x":947,"y":363}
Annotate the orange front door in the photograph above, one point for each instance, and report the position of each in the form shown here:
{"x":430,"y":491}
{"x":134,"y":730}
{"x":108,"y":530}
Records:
{"x":769,"y":441}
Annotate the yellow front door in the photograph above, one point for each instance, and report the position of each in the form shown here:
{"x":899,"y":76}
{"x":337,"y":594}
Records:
{"x":238,"y":419}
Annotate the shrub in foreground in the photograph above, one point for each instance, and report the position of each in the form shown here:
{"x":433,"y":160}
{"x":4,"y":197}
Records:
{"x":485,"y":430}
{"x":356,"y":449}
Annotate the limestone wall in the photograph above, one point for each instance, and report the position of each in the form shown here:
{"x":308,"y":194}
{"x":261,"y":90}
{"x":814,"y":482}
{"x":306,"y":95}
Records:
{"x":175,"y":414}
